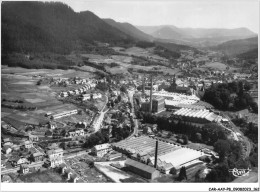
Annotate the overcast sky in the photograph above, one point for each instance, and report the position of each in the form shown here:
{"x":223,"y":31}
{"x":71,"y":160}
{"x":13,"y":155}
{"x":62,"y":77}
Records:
{"x":181,"y":13}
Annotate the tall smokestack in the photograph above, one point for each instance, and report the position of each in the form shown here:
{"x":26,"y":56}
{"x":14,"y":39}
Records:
{"x":156,"y":152}
{"x":143,"y":84}
{"x":151,"y":95}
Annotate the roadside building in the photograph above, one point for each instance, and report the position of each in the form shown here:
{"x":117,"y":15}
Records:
{"x":17,"y":161}
{"x":7,"y":149}
{"x":52,"y":125}
{"x":24,"y":169}
{"x":97,"y":96}
{"x":141,"y":169}
{"x":55,"y":157}
{"x":37,"y":157}
{"x":101,"y":150}
{"x":85,"y":97}
{"x":33,"y":138}
{"x":28,"y":144}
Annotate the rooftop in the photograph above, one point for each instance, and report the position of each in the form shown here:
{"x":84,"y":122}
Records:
{"x":140,"y":166}
{"x":205,"y":114}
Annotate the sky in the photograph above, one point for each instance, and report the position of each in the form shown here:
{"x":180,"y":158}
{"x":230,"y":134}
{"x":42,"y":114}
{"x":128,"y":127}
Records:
{"x":181,"y":13}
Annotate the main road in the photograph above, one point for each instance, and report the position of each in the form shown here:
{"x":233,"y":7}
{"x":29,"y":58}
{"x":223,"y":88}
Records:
{"x":97,"y":123}
{"x":130,"y":96}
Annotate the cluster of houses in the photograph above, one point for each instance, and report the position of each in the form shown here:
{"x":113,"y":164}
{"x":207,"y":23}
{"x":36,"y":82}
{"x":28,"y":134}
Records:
{"x":75,"y":80}
{"x":89,"y":96}
{"x":19,"y":155}
{"x":78,"y":91}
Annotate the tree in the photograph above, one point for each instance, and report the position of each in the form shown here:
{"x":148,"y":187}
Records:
{"x":185,"y":139}
{"x":247,"y":86}
{"x":173,"y":171}
{"x":254,"y":107}
{"x":182,"y":174}
{"x":198,"y":137}
{"x":123,"y":89}
{"x":220,"y":173}
{"x":119,"y":98}
{"x":145,"y":130}
{"x":222,"y":147}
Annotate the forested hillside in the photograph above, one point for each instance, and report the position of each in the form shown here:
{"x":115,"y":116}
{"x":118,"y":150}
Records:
{"x":52,"y":27}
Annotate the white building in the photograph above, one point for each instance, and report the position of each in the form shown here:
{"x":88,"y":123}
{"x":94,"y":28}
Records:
{"x":64,"y":114}
{"x":55,"y":157}
{"x":101,"y":150}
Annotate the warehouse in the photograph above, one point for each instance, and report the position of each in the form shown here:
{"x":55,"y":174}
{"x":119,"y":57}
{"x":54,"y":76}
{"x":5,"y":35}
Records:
{"x":194,"y":116}
{"x":181,"y":104}
{"x":141,"y":169}
{"x":64,"y":114}
{"x":170,"y":155}
{"x":176,"y":159}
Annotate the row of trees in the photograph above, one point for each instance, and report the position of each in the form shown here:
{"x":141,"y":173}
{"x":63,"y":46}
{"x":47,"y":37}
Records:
{"x":19,"y":107}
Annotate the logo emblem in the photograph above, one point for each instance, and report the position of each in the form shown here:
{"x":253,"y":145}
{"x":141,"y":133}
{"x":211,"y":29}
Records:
{"x":240,"y":172}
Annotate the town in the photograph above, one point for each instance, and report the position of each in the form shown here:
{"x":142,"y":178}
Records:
{"x":129,"y":113}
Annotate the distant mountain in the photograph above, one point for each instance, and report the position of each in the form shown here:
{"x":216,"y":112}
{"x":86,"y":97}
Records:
{"x":236,"y":47}
{"x":166,"y":33}
{"x":196,"y":36}
{"x":52,"y":27}
{"x":130,"y":30}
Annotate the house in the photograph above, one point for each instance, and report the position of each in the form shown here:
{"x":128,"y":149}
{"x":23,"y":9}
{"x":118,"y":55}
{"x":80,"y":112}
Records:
{"x":24,"y":169}
{"x":97,"y":96}
{"x":52,"y":125}
{"x":22,"y":161}
{"x":100,"y":150}
{"x":37,"y":157}
{"x":63,"y":168}
{"x":74,"y":178}
{"x":76,"y":133}
{"x":7,"y":149}
{"x":85,"y":97}
{"x":17,"y":161}
{"x":33,"y":138}
{"x":6,"y":140}
{"x":8,"y":143}
{"x":64,"y":94}
{"x":3,"y":164}
{"x":28,"y":144}
{"x":55,"y":157}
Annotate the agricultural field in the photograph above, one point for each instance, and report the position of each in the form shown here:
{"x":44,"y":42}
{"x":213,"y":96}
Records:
{"x":19,"y":89}
{"x":121,"y":63}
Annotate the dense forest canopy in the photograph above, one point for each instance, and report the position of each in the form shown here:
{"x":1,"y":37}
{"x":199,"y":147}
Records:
{"x":52,"y":27}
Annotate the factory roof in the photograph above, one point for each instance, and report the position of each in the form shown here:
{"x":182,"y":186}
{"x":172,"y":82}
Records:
{"x":144,"y":145}
{"x":178,"y":157}
{"x":140,"y":166}
{"x":203,"y":103}
{"x":206,"y":114}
